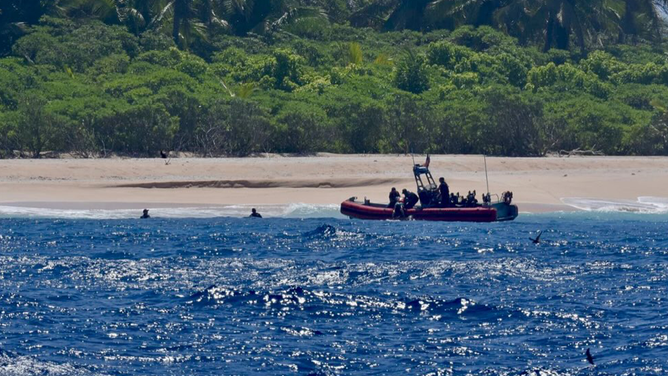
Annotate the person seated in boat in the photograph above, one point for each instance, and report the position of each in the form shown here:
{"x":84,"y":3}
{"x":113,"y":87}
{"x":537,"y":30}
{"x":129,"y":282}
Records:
{"x":145,"y":214}
{"x":471,"y":201}
{"x":454,"y":200}
{"x":410,"y":199}
{"x":394,"y":197}
{"x":486,"y":199}
{"x":444,"y":190}
{"x":255,"y":214}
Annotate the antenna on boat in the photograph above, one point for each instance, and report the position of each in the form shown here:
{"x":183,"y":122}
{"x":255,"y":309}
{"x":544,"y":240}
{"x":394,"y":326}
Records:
{"x":486,"y":177}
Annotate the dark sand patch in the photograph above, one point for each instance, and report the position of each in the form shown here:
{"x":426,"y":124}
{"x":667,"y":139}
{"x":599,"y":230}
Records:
{"x":261,"y":184}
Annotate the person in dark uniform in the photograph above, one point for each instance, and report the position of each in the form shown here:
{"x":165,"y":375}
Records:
{"x":145,"y":214}
{"x":410,"y":199}
{"x":255,"y":214}
{"x":394,"y":197}
{"x":444,"y":190}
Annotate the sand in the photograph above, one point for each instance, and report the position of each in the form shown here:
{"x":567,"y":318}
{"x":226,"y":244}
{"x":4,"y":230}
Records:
{"x":539,"y":184}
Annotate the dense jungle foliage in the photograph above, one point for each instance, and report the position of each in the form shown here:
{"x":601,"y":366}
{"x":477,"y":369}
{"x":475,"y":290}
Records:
{"x":237,"y":77}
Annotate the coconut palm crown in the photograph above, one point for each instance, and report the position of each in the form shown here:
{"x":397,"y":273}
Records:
{"x":562,"y":24}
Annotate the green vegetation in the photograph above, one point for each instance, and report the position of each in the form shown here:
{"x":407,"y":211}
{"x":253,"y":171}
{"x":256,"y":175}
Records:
{"x":94,"y":77}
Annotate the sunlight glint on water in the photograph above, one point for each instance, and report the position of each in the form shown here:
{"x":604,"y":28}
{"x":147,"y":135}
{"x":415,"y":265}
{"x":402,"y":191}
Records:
{"x":224,"y":296}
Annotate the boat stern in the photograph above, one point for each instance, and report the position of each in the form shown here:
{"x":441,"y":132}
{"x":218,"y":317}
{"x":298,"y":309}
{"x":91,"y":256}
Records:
{"x":505,"y":212}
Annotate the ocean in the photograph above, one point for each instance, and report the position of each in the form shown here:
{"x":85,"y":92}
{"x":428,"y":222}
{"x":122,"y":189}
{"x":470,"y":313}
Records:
{"x":306,"y":292}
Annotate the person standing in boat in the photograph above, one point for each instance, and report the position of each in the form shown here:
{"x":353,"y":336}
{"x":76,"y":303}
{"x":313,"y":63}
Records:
{"x":394,"y":197}
{"x":444,"y":190}
{"x":410,"y":199}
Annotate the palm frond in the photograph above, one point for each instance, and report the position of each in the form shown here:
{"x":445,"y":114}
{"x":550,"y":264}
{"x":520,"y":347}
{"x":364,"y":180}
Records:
{"x":295,"y":14}
{"x":242,"y":8}
{"x":166,"y":11}
{"x":246,"y":90}
{"x":131,"y":17}
{"x":383,"y":60}
{"x":102,"y":9}
{"x":355,"y":55}
{"x":374,"y":14}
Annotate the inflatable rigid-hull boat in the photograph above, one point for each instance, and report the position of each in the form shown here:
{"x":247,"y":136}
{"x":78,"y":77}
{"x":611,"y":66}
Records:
{"x":500,"y":211}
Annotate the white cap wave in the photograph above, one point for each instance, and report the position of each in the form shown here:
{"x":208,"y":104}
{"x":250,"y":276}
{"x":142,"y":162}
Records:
{"x":295,"y":210}
{"x":645,"y":204}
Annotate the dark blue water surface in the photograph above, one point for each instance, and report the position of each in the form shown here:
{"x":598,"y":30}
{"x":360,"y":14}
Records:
{"x":334,"y":297}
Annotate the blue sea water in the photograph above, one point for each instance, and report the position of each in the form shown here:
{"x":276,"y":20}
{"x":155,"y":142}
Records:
{"x":326,"y":296}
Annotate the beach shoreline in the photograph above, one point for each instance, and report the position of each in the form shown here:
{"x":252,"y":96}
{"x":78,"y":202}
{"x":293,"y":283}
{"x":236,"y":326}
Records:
{"x":539,"y":184}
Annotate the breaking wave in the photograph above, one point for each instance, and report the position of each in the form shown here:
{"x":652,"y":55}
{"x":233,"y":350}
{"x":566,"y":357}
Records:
{"x":645,"y":205}
{"x":295,"y":210}
{"x":15,"y":365}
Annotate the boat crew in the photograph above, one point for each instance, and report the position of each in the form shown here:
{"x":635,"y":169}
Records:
{"x":444,"y":190}
{"x":394,"y":197}
{"x":410,"y":199}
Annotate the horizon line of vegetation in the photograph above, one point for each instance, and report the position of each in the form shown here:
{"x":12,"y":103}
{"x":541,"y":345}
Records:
{"x":82,"y":86}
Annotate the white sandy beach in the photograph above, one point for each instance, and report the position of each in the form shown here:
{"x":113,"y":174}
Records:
{"x":539,"y":184}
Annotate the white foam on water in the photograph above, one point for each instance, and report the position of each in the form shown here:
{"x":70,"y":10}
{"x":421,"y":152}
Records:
{"x":294,"y":210}
{"x":645,"y":205}
{"x":27,"y":366}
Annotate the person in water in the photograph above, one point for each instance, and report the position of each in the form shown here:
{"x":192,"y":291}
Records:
{"x":410,"y":199}
{"x":444,"y":190}
{"x":145,"y":214}
{"x":255,"y":214}
{"x":394,"y":197}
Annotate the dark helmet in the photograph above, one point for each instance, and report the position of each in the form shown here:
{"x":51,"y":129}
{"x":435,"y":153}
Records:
{"x":441,"y":179}
{"x":404,"y":191}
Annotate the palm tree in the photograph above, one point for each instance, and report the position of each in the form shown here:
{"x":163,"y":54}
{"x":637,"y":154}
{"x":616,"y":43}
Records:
{"x":261,"y":16}
{"x":182,"y":21}
{"x":450,"y":14}
{"x":552,"y":23}
{"x":559,"y":23}
{"x":188,"y":18}
{"x":13,"y":15}
{"x":240,"y":13}
{"x":139,"y":15}
{"x":375,"y":14}
{"x":644,"y":18}
{"x":16,"y":14}
{"x":104,"y":10}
